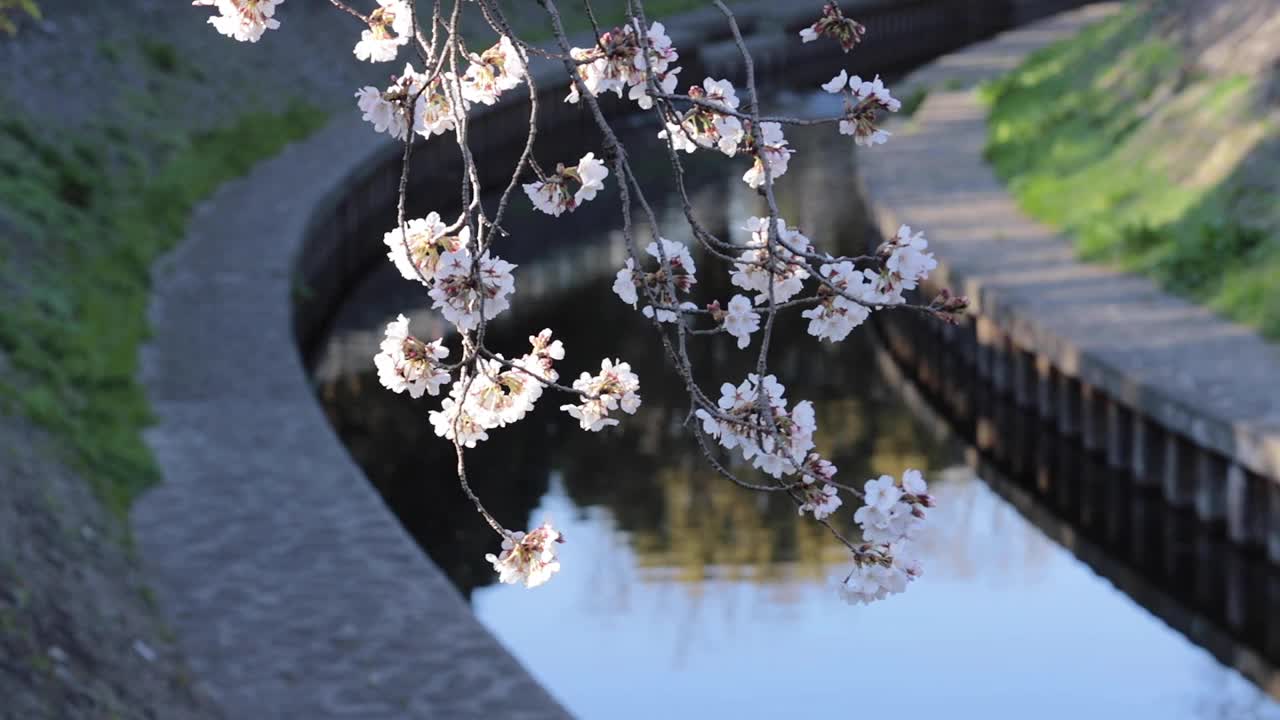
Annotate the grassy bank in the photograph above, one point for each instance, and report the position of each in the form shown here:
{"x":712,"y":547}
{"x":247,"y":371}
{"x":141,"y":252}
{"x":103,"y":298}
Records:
{"x":79,"y":229}
{"x":1114,"y":137}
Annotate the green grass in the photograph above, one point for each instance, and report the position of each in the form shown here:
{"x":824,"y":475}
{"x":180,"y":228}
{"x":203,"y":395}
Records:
{"x":13,"y":11}
{"x":86,"y":229}
{"x":160,"y":55}
{"x":1091,"y":135}
{"x":912,"y":102}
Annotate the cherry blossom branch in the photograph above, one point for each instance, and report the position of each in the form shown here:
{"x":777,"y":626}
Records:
{"x":470,"y":286}
{"x":349,"y":10}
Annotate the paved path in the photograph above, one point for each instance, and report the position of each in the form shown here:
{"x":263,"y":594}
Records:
{"x":1201,"y":376}
{"x":296,"y":592}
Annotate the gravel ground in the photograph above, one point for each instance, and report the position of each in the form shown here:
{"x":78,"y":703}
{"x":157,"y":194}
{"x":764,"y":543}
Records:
{"x":79,"y":635}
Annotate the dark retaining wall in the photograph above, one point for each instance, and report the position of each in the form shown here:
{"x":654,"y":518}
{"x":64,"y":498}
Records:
{"x":1223,"y":497}
{"x":1219,"y":595}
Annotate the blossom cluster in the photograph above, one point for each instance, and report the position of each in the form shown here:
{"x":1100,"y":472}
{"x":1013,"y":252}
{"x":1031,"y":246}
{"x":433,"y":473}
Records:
{"x":848,"y":295}
{"x":407,"y":363}
{"x":835,"y":25}
{"x":713,"y":123}
{"x":569,"y":187}
{"x":615,"y":387}
{"x":739,"y":319}
{"x":390,"y":27}
{"x":753,"y":418}
{"x":676,"y":271}
{"x":819,"y":496}
{"x":891,"y":517}
{"x":464,"y":291}
{"x":842,"y":308}
{"x":243,"y":20}
{"x":497,"y":393}
{"x":704,"y":127}
{"x":528,"y":558}
{"x":416,"y":252}
{"x":622,"y":61}
{"x":905,"y":264}
{"x":771,"y":147}
{"x":428,"y":102}
{"x":781,"y":265}
{"x":412,"y":99}
{"x":863,"y":101}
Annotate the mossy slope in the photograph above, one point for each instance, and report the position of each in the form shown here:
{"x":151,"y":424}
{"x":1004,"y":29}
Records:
{"x":79,"y":230}
{"x":1149,"y":162}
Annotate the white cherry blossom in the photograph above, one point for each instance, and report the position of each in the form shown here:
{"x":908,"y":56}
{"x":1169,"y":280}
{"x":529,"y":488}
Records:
{"x":877,"y":578}
{"x":789,"y":273}
{"x":676,"y":271}
{"x":390,"y":28}
{"x":835,"y":25}
{"x":384,"y":114}
{"x":822,"y":500}
{"x":569,"y":187}
{"x":703,"y":127}
{"x":838,"y":83}
{"x":775,"y":150}
{"x":458,"y":295}
{"x":874,"y":90}
{"x":243,"y":20}
{"x":836,"y":315}
{"x":740,"y":319}
{"x":498,"y":69}
{"x":427,"y":241}
{"x":619,"y":61}
{"x":528,"y":558}
{"x":863,"y":101}
{"x":891,"y":512}
{"x":908,"y":259}
{"x":624,"y":283}
{"x":614,"y":388}
{"x":388,"y":110}
{"x":456,"y":421}
{"x":405,"y":363}
{"x":740,"y":424}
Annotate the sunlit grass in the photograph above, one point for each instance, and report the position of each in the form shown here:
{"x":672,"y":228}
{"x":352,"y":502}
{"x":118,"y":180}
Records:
{"x":79,"y":235}
{"x":1101,"y":135}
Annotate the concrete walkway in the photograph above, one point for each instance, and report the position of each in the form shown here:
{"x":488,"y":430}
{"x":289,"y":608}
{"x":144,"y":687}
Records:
{"x":297,"y":593}
{"x":1192,"y":373}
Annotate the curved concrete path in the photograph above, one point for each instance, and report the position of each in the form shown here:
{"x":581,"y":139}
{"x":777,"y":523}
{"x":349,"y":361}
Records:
{"x":353,"y":619}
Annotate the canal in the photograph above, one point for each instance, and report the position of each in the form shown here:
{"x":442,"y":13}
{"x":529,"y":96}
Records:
{"x":683,"y":596}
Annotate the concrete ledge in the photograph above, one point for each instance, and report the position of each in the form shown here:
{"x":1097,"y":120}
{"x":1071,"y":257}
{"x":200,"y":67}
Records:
{"x":1217,"y":595}
{"x":294,"y":590}
{"x":1142,"y":375}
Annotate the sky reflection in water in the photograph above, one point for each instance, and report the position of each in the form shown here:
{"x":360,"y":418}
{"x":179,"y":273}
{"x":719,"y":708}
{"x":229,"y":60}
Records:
{"x":1004,"y":624}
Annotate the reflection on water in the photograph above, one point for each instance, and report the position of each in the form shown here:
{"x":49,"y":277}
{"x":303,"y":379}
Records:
{"x":683,"y":596}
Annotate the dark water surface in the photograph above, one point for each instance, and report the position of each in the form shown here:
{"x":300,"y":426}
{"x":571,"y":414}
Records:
{"x":683,"y":596}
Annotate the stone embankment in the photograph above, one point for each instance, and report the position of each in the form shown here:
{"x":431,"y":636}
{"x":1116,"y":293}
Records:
{"x":1183,"y":400}
{"x":293,"y":590}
